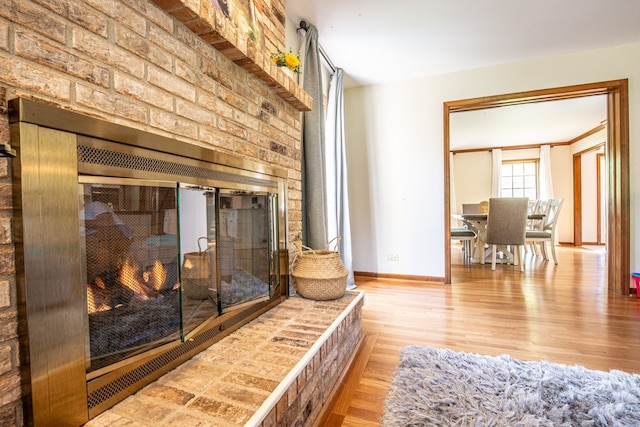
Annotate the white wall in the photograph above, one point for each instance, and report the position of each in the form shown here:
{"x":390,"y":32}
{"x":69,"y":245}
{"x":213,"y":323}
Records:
{"x":562,"y":181}
{"x":395,"y":151}
{"x":471,"y":177}
{"x":589,"y":183}
{"x":589,"y":198}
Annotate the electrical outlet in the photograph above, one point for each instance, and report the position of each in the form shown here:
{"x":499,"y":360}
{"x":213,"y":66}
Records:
{"x":393,"y":257}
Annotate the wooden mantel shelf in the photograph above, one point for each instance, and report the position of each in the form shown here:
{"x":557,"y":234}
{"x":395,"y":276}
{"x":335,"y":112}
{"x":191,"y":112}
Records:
{"x":210,"y":24}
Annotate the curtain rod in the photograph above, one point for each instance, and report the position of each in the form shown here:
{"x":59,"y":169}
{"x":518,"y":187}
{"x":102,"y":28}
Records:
{"x":326,"y":59}
{"x":302,"y":29}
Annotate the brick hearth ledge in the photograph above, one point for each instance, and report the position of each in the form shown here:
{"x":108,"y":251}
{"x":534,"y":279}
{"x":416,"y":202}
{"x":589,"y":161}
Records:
{"x":277,"y":370}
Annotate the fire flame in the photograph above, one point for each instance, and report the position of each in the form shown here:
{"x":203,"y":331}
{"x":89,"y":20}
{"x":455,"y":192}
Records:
{"x":93,"y":304}
{"x":144,"y":285}
{"x":156,"y":277}
{"x":129,"y":278}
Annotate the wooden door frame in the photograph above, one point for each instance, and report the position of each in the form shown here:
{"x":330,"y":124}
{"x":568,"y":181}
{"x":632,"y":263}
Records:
{"x":599,"y":172}
{"x":577,"y":195}
{"x":577,"y":200}
{"x":617,"y":152}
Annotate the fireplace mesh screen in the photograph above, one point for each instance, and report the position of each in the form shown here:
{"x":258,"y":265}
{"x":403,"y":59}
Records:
{"x":100,"y":156}
{"x":131,"y":267}
{"x":106,"y":392}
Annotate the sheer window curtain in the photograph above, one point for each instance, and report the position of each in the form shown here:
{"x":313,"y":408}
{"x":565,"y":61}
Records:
{"x":338,"y":218}
{"x":546,"y":188}
{"x":496,"y":172}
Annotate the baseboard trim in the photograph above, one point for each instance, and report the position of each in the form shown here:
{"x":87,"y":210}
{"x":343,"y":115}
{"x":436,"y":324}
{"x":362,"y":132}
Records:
{"x":371,"y":275}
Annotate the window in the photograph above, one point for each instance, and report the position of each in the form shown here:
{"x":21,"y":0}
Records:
{"x":520,"y":179}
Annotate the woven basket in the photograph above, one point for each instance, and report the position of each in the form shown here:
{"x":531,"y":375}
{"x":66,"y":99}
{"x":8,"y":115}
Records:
{"x":198,"y":274}
{"x":320,"y":274}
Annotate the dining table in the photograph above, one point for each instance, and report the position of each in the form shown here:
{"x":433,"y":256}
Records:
{"x":478,"y":223}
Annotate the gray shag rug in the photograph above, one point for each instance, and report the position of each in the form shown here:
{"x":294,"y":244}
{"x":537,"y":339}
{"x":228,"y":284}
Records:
{"x":439,"y":387}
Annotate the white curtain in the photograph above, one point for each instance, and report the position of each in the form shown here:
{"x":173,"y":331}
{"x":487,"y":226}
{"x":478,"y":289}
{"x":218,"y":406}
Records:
{"x":546,"y":189}
{"x":338,"y":219}
{"x":496,"y":172}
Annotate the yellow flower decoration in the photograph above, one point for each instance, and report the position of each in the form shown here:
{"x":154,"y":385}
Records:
{"x":288,"y":59}
{"x":291,"y":60}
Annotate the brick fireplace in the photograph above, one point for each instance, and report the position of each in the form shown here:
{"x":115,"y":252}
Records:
{"x":136,"y":253}
{"x":181,"y":72}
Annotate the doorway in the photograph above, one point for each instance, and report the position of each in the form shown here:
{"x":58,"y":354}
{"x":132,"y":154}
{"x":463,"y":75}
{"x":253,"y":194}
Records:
{"x":617,"y":155}
{"x":589,"y":196}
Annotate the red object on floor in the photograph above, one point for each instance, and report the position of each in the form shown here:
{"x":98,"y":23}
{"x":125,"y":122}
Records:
{"x":636,"y":277}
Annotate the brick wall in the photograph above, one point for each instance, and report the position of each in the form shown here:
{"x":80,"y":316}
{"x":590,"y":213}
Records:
{"x":304,"y":400}
{"x":133,"y":64}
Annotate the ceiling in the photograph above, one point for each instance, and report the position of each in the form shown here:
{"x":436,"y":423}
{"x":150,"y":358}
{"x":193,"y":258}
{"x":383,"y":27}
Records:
{"x":527,"y":124}
{"x":378,"y":41}
{"x":381,"y":41}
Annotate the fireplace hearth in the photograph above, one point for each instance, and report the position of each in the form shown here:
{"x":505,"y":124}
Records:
{"x":137,"y":252}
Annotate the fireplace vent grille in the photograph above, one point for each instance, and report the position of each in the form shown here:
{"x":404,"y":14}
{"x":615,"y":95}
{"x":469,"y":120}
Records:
{"x":137,"y":376}
{"x":100,"y":156}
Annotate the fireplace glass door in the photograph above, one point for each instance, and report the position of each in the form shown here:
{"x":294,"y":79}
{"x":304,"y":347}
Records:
{"x":131,"y":267}
{"x":195,"y":223}
{"x":227,"y":251}
{"x":245,"y":247}
{"x":163,"y":258}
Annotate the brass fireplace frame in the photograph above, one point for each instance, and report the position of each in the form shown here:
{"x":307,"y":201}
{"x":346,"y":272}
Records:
{"x":52,"y":301}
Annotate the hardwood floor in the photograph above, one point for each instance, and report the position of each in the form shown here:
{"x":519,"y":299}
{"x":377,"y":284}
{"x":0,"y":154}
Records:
{"x":561,"y":314}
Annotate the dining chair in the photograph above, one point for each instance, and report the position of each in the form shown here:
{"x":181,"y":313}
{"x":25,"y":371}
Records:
{"x":531,"y":209}
{"x":546,"y":235}
{"x":467,"y":236}
{"x":506,"y":226}
{"x":468,"y":232}
{"x":541,"y":207}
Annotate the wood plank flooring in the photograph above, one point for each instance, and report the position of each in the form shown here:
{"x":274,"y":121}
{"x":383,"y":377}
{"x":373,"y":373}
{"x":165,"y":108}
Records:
{"x":561,"y":314}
